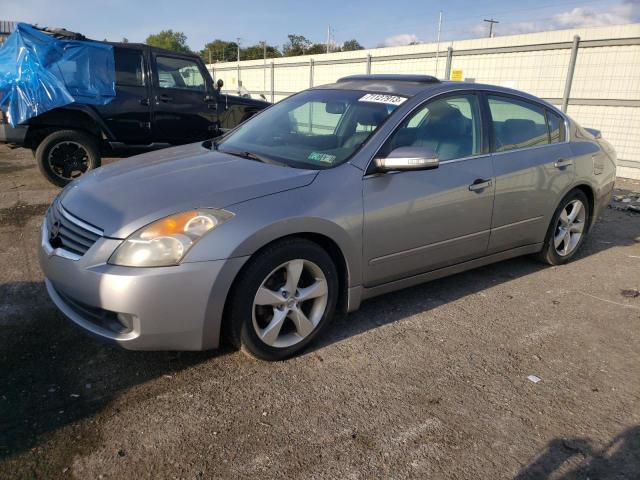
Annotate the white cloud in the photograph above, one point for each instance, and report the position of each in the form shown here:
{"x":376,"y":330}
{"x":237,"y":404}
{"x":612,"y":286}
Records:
{"x":399,"y":40}
{"x":627,"y":11}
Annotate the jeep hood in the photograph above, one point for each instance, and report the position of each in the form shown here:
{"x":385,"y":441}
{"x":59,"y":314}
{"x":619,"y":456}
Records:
{"x":122,"y":197}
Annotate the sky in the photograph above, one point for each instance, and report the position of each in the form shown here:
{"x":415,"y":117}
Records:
{"x":372,"y":22}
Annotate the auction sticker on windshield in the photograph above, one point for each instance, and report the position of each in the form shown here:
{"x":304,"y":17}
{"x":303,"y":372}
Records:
{"x":322,"y":157}
{"x":381,"y":98}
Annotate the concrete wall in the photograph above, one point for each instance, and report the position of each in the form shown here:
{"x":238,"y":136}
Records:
{"x":605,"y":92}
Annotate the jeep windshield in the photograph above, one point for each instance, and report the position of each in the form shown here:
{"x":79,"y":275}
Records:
{"x":315,"y":129}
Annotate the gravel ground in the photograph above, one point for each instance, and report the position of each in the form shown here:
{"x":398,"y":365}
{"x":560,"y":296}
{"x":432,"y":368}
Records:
{"x":430,"y":382}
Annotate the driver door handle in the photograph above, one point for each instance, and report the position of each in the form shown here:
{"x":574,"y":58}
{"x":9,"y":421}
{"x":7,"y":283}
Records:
{"x":563,"y":162}
{"x":480,"y":184}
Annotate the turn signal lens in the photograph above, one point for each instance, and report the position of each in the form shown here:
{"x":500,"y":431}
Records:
{"x":166,"y":241}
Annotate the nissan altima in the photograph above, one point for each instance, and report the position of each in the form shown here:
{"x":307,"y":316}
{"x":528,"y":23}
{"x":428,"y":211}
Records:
{"x":337,"y":194}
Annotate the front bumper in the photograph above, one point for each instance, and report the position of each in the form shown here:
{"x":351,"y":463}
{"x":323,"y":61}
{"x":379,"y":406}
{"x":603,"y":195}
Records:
{"x":166,"y":308}
{"x":13,"y":135}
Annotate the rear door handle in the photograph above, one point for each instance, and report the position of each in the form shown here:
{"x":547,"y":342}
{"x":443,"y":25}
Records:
{"x":563,"y":162}
{"x":480,"y":184}
{"x":144,"y":102}
{"x":165,"y":98}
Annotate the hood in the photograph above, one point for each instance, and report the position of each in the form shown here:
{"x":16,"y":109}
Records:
{"x":122,"y":197}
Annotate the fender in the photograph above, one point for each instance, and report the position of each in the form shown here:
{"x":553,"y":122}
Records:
{"x":298,"y":211}
{"x":69,"y":116}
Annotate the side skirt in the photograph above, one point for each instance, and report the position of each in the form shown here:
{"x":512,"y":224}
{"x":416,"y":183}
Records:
{"x":360,"y":293}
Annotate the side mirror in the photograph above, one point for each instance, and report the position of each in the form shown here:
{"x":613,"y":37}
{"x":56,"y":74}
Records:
{"x":408,"y":158}
{"x":596,"y":133}
{"x":219,"y":84}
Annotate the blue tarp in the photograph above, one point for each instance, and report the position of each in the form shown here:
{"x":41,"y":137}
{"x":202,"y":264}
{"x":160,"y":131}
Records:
{"x":39,"y":72}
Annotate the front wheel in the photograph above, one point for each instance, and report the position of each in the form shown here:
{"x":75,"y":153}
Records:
{"x":282,"y":301}
{"x":567,"y":230}
{"x":65,"y":155}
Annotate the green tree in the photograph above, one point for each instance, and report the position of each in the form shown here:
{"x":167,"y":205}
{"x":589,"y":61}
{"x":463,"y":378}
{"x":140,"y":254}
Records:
{"x":255,"y":52}
{"x":351,"y":45}
{"x":297,"y":45}
{"x":221,"y":51}
{"x":169,"y":40}
{"x":316,"y":49}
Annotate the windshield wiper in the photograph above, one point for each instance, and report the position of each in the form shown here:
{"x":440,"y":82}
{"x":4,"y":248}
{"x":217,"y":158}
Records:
{"x":253,"y":156}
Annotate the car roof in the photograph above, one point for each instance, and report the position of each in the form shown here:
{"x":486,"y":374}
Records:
{"x":423,"y":85}
{"x":141,"y":46}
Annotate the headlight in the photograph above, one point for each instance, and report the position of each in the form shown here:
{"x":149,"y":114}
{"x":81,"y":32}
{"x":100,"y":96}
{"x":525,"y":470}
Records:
{"x":166,"y":241}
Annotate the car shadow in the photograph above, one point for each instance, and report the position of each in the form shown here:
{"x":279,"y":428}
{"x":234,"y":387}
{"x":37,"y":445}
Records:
{"x":54,"y":374}
{"x":618,"y":459}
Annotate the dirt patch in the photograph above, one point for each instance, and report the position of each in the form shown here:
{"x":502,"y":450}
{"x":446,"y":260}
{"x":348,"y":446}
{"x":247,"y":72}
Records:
{"x":19,"y":214}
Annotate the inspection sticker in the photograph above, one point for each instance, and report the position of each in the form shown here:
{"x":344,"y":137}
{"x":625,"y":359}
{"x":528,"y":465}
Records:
{"x":322,"y":157}
{"x":380,"y":98}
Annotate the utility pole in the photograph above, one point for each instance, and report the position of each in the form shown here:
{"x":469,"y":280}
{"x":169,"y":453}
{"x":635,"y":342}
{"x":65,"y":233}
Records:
{"x":264,"y":66}
{"x":328,"y":36}
{"x":491,"y":22}
{"x":239,"y":80}
{"x":210,"y":62}
{"x":438,"y":44}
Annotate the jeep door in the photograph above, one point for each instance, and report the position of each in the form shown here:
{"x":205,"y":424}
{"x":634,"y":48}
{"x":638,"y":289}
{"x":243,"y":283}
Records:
{"x":184,"y":103}
{"x":128,"y":115}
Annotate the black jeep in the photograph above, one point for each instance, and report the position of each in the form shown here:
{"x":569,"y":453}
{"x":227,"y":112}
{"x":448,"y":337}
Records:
{"x":162,"y":98}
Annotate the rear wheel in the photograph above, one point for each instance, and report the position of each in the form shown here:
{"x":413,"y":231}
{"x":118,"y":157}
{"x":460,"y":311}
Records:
{"x":282,"y":301}
{"x":65,"y":155}
{"x":567,"y":230}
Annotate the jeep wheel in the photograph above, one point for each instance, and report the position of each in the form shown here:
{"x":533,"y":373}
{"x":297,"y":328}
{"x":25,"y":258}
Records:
{"x":65,"y":155}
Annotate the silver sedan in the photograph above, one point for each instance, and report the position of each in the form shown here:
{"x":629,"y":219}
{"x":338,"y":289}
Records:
{"x":328,"y":198}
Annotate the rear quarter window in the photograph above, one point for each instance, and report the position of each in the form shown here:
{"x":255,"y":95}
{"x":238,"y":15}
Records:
{"x":556,"y":127}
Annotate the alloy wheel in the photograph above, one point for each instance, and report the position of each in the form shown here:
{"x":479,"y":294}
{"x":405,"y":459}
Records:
{"x":68,"y":160}
{"x":290,"y":303}
{"x":570,"y":228}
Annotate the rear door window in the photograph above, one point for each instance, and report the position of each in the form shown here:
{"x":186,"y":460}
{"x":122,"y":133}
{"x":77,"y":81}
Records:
{"x":129,"y":67}
{"x":516,"y":123}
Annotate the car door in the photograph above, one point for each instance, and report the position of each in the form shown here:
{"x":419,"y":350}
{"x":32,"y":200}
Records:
{"x":128,"y":115}
{"x":533,"y":166}
{"x":184,"y":107}
{"x":417,"y":221}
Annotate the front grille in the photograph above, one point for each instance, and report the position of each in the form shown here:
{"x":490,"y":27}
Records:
{"x":68,"y":232}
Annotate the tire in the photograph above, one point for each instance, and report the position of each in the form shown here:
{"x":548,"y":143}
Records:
{"x":65,"y":155}
{"x":555,"y":252}
{"x":267,"y":325}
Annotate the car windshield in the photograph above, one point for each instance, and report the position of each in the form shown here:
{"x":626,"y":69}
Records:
{"x":315,"y":129}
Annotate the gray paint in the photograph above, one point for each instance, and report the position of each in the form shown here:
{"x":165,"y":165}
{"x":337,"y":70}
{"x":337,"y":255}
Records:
{"x":393,"y":229}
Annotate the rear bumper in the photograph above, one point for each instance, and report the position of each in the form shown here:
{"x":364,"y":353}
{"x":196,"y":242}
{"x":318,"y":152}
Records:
{"x":601,"y":202}
{"x":13,"y":135}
